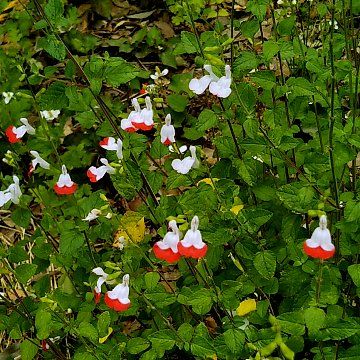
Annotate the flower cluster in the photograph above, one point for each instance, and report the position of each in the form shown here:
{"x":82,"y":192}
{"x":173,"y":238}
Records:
{"x":171,"y":248}
{"x":139,"y":119}
{"x":116,"y":299}
{"x":15,"y":134}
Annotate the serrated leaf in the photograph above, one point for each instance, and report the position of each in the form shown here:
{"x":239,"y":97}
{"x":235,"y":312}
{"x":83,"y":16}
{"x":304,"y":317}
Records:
{"x":265,"y":263}
{"x":28,"y":350}
{"x":24,"y":272}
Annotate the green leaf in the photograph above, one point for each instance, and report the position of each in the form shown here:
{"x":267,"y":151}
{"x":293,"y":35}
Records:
{"x":202,"y":347}
{"x":354,"y":272}
{"x":300,"y":87}
{"x":297,"y":197}
{"x":314,"y":319}
{"x":151,"y":280}
{"x":258,"y":8}
{"x":103,"y":323}
{"x":253,"y":219}
{"x":24,"y":272}
{"x":54,"y":10}
{"x":265,"y":79}
{"x":21,"y":217}
{"x":207,"y":120}
{"x":265,"y":263}
{"x":177,"y":102}
{"x":70,"y":241}
{"x":28,"y":350}
{"x":162,"y":340}
{"x":270,"y":48}
{"x":286,"y":25}
{"x":52,"y":45}
{"x":88,"y":330}
{"x":118,"y":71}
{"x":234,"y":340}
{"x":292,"y":323}
{"x":245,"y":61}
{"x":54,"y":97}
{"x":343,"y":329}
{"x":137,"y":345}
{"x":201,"y":301}
{"x":185,"y":331}
{"x":43,"y":324}
{"x":188,"y":44}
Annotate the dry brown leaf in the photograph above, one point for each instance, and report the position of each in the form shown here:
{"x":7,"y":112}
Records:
{"x":166,"y":28}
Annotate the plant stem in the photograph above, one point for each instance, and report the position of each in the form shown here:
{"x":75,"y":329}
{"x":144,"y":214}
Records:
{"x":232,"y":33}
{"x":318,"y":282}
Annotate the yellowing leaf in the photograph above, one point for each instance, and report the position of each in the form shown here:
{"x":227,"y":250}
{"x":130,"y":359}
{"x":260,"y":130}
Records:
{"x":103,"y":339}
{"x":237,"y":208}
{"x":208,"y":181}
{"x":246,"y":307}
{"x":132,"y":227}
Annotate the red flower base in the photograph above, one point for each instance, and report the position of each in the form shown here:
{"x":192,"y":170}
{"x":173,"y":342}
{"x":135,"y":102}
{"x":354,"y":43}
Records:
{"x":142,"y":126}
{"x":44,"y":345}
{"x":167,"y":142}
{"x":65,"y":190}
{"x":116,"y":304}
{"x":9,"y":132}
{"x":91,"y":176}
{"x":168,"y":255}
{"x":97,"y":296}
{"x":192,"y":251}
{"x":318,"y":252}
{"x":104,"y":142}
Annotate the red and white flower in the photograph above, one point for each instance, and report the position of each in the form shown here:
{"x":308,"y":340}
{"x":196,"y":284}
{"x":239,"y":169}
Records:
{"x":145,"y":121}
{"x":135,"y":115}
{"x":219,"y":87}
{"x":65,"y":186}
{"x":95,"y":174}
{"x":183,"y":166}
{"x":38,"y":160}
{"x":101,"y":280}
{"x":167,"y":132}
{"x":118,"y":298}
{"x":49,"y":115}
{"x":14,"y":134}
{"x":109,"y":143}
{"x":167,"y":249}
{"x":319,"y":245}
{"x":192,"y":245}
{"x":5,"y":197}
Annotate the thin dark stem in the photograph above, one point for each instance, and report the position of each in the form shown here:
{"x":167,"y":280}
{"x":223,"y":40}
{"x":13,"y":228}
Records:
{"x":232,"y":33}
{"x":318,"y":125}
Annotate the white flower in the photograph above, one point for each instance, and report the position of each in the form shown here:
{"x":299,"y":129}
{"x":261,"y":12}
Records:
{"x":64,"y":178}
{"x":336,"y":27}
{"x":182,"y":149}
{"x":321,"y":236}
{"x":183,"y":166}
{"x":222,"y":87}
{"x":171,"y":238}
{"x":14,"y":190}
{"x":119,"y":146}
{"x":5,"y":196}
{"x":167,"y":132}
{"x":102,"y":278}
{"x":121,"y":243}
{"x":38,"y":160}
{"x":120,"y":293}
{"x":92,"y":215}
{"x":50,"y":114}
{"x":134,"y":116}
{"x":159,"y":74}
{"x":20,"y":131}
{"x":219,"y":87}
{"x":258,"y":158}
{"x":95,"y":174}
{"x":7,"y":96}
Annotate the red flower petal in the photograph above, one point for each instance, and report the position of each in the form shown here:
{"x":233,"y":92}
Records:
{"x":9,"y":132}
{"x":167,"y":142}
{"x":318,"y":252}
{"x":167,"y":255}
{"x":192,"y":251}
{"x":131,"y":129}
{"x":142,"y":126}
{"x":65,"y":190}
{"x":104,"y":141}
{"x":97,"y":296}
{"x":142,"y":91}
{"x":45,"y":346}
{"x":91,"y":176}
{"x":115,"y":304}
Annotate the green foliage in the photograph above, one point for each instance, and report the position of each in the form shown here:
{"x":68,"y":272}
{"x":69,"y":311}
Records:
{"x":277,"y":153}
